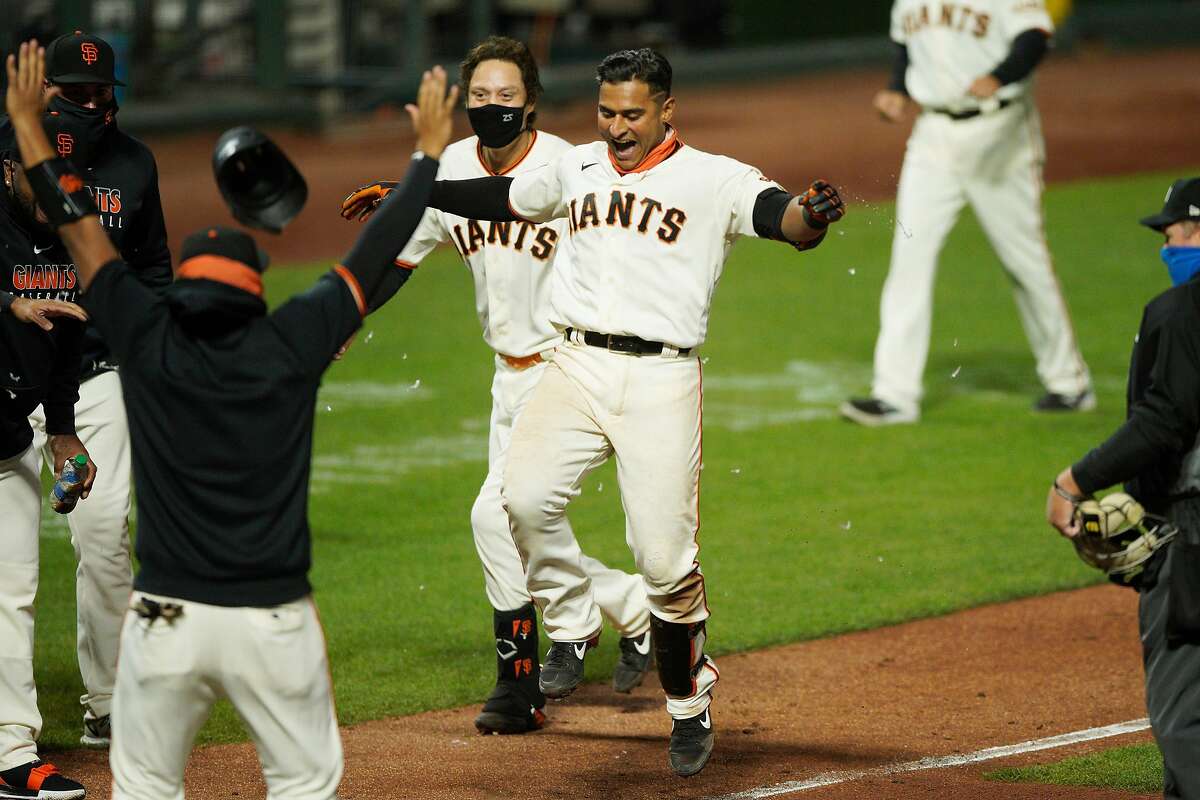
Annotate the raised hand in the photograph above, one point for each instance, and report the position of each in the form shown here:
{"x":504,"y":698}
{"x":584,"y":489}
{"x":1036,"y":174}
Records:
{"x":891,"y":104}
{"x":27,"y":96}
{"x":432,"y":115}
{"x":822,"y":205}
{"x":38,"y":312}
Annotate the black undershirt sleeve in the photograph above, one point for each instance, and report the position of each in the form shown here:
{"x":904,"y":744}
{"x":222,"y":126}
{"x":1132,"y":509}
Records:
{"x":769,"y":208}
{"x":372,"y":259}
{"x":899,"y":69}
{"x":1027,"y":52}
{"x":478,"y":198}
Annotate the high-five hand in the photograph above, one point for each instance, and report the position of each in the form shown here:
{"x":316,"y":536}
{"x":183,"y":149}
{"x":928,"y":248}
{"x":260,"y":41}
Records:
{"x":432,"y":116}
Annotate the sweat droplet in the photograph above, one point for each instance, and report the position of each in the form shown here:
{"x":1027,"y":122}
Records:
{"x":416,"y":385}
{"x":704,"y":360}
{"x":370,"y":334}
{"x":851,"y":270}
{"x":600,"y":487}
{"x":846,"y":525}
{"x":404,"y":356}
{"x":736,"y":470}
{"x":329,"y":408}
{"x":956,"y":342}
{"x":957,"y":370}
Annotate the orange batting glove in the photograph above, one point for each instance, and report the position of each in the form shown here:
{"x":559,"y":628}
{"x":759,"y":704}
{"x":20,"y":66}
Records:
{"x":363,"y":201}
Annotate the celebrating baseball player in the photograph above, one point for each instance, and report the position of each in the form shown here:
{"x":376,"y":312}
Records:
{"x":511,"y":266}
{"x":41,"y":337}
{"x":649,"y":224}
{"x":121,"y":174}
{"x":977,"y":140}
{"x":221,"y":397}
{"x":1156,"y":453}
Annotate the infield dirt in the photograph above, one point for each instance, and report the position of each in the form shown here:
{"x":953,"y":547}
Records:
{"x":990,"y":676}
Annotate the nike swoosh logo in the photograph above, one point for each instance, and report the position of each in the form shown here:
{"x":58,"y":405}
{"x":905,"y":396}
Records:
{"x":705,"y":721}
{"x":37,"y":251}
{"x":643,"y":645}
{"x":580,"y":650}
{"x":585,"y":166}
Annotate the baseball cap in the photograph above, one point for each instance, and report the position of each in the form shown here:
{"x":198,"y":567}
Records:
{"x":1182,"y":202}
{"x":80,"y":58}
{"x":225,"y":243}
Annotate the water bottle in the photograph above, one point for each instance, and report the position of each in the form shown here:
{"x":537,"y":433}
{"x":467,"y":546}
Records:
{"x":66,"y":490}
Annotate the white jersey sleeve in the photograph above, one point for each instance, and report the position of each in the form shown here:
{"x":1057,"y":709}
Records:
{"x":1018,"y":16}
{"x":898,"y":33}
{"x":429,"y":234}
{"x":537,"y":195}
{"x":742,"y":185}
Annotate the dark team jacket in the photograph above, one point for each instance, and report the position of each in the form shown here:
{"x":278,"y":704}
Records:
{"x":123,"y":180}
{"x":1156,"y":451}
{"x":221,"y":428}
{"x":36,"y":367}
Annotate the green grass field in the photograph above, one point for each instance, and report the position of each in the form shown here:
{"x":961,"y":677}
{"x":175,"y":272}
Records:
{"x":811,"y":526}
{"x":1136,"y":768}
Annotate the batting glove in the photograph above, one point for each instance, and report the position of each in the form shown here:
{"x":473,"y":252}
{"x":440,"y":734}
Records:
{"x":363,"y":201}
{"x":821,"y":205}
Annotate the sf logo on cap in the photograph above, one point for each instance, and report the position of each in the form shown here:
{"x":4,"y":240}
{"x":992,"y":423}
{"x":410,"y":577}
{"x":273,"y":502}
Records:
{"x":65,"y":144}
{"x":90,"y":54}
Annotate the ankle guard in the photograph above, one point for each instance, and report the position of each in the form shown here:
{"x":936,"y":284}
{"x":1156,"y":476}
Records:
{"x":679,"y":651}
{"x":516,"y":643}
{"x":60,"y":191}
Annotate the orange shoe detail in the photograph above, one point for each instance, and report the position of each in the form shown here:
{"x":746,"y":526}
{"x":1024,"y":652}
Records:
{"x":39,"y":774}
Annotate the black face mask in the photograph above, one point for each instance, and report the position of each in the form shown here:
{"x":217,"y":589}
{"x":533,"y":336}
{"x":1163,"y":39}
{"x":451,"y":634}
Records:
{"x":497,"y":126}
{"x":89,"y":126}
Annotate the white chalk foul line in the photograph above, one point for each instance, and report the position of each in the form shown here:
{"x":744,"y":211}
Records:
{"x":939,"y":762}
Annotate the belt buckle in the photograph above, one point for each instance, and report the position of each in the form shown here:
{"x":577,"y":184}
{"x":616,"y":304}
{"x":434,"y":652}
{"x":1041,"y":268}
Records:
{"x":622,"y":344}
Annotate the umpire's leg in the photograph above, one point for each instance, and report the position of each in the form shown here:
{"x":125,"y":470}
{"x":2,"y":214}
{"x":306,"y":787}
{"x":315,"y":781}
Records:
{"x":1172,"y":689}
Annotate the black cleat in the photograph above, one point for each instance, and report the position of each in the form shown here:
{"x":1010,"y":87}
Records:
{"x":691,"y":743}
{"x":633,"y":664}
{"x":507,"y":710}
{"x":1053,"y":402}
{"x":562,"y":671}
{"x":41,"y":780}
{"x":874,"y":413}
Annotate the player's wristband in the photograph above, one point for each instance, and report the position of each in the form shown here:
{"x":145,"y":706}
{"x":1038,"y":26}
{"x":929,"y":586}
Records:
{"x":6,"y":300}
{"x":60,"y":191}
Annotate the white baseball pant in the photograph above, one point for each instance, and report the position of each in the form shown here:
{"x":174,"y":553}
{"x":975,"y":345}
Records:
{"x":269,"y":662}
{"x":994,"y":162}
{"x":620,"y":596}
{"x":592,"y":403}
{"x":21,"y":502}
{"x":100,"y":535}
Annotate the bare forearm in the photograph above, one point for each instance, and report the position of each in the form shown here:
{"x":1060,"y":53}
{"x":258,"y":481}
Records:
{"x":89,"y":246}
{"x":32,"y":142}
{"x":794,"y":226}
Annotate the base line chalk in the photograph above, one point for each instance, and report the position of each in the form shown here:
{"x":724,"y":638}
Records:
{"x":939,"y":762}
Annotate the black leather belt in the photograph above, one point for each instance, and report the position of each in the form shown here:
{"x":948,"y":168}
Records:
{"x":623,"y":344}
{"x":974,"y":112}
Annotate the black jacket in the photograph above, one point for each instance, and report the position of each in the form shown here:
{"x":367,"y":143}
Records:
{"x":36,"y":367}
{"x":1156,"y":451}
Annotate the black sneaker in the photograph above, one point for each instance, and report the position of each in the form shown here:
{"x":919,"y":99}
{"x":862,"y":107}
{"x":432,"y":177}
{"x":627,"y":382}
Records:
{"x":39,"y":779}
{"x":691,"y":743}
{"x":1054,"y":402}
{"x":97,"y":732}
{"x":873,"y":412}
{"x":508,"y":710}
{"x":562,"y":671}
{"x":633,"y":664}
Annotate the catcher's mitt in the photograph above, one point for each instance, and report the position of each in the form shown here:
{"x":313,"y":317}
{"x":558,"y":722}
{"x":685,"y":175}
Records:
{"x":1116,"y":535}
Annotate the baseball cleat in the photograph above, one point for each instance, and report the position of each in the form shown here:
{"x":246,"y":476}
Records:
{"x":97,"y":732}
{"x":507,"y":711}
{"x":562,"y":671}
{"x":874,"y":413}
{"x":39,"y":779}
{"x":633,"y":664}
{"x":1054,"y":402}
{"x":691,"y":743}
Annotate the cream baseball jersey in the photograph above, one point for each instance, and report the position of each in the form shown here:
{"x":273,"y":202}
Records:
{"x":509,"y":261}
{"x":644,"y":249}
{"x":952,"y":44}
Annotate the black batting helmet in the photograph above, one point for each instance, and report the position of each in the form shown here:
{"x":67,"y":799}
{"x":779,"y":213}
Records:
{"x":260,"y":185}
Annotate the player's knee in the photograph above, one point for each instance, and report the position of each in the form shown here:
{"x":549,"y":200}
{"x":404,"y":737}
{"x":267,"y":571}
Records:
{"x":528,"y":500}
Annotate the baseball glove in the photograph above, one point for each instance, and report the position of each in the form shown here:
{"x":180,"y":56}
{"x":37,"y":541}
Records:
{"x":821,"y":205}
{"x":364,"y":200}
{"x":1116,"y":535}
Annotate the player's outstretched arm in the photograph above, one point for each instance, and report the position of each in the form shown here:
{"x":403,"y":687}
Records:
{"x":371,"y":259}
{"x":59,"y":189}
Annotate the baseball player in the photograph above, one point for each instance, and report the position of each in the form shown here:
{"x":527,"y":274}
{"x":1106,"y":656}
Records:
{"x":1156,"y":453}
{"x":511,"y":267}
{"x":41,"y":336}
{"x":649,"y":224}
{"x":121,"y":175}
{"x":978,"y":140}
{"x":220,"y":397}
